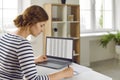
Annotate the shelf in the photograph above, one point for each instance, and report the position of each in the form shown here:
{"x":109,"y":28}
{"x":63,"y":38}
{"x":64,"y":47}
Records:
{"x":73,"y":21}
{"x":75,"y":38}
{"x":58,"y":22}
{"x":64,"y":21}
{"x":76,"y":54}
{"x":57,"y":4}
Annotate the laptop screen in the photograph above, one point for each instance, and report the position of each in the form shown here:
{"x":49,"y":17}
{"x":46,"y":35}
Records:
{"x":59,"y":47}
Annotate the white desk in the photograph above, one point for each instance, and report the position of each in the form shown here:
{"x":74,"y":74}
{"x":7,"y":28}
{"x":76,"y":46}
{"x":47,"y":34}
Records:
{"x":85,"y":73}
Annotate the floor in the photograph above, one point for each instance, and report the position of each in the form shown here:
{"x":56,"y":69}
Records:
{"x":110,"y":68}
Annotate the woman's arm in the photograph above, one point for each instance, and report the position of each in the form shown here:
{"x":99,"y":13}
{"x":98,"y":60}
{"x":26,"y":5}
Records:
{"x":27,"y":63}
{"x":40,"y":59}
{"x":66,"y":73}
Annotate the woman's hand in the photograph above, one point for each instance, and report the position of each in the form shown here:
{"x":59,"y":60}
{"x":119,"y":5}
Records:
{"x":68,"y":72}
{"x":41,"y":59}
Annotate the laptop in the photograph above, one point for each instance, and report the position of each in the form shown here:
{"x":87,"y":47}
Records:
{"x":59,"y":52}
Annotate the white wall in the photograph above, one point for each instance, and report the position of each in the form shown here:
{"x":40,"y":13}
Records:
{"x":92,"y":52}
{"x":41,"y":2}
{"x":117,"y":13}
{"x":98,"y":53}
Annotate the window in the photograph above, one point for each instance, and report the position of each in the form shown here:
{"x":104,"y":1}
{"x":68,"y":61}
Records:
{"x":96,"y":15}
{"x":8,"y":12}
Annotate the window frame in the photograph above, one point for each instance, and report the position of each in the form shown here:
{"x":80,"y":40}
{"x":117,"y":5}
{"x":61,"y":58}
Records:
{"x":93,"y":19}
{"x":19,"y":10}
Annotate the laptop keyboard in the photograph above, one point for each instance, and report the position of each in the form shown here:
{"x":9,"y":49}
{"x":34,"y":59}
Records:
{"x":56,"y":62}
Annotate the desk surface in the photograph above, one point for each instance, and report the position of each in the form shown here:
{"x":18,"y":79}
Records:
{"x":84,"y":73}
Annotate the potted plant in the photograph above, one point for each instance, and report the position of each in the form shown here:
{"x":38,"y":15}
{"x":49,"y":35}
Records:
{"x":105,"y":39}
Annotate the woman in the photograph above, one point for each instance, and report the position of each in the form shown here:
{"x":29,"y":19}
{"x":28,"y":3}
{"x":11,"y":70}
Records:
{"x":16,"y":54}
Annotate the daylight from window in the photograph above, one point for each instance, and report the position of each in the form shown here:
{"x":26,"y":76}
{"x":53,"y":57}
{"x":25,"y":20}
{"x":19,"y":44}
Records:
{"x":96,"y":15}
{"x":8,"y":12}
{"x":85,"y":14}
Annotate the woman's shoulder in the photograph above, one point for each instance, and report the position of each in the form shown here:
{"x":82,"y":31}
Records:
{"x":14,"y":37}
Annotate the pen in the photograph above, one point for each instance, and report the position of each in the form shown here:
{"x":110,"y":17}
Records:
{"x":68,"y":66}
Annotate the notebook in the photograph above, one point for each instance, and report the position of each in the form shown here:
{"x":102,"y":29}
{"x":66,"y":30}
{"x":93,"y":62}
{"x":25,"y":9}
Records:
{"x":59,"y":52}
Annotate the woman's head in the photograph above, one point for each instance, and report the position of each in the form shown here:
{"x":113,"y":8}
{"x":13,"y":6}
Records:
{"x":31,"y":16}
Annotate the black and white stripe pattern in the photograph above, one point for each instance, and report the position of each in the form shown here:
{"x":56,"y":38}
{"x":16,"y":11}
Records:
{"x":17,"y":59}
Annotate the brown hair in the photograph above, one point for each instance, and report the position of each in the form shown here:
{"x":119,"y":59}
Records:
{"x":31,"y":16}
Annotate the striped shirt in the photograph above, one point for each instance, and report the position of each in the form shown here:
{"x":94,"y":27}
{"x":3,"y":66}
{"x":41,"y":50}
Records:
{"x":17,"y":59}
